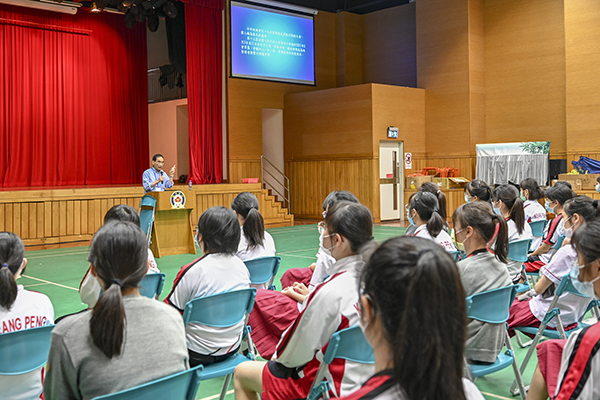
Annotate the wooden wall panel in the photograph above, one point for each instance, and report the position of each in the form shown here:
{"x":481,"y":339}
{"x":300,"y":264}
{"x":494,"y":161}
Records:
{"x":525,"y":71}
{"x":240,"y":169}
{"x":312,"y":180}
{"x":582,"y":59}
{"x":72,"y":216}
{"x":349,"y":48}
{"x":328,"y":124}
{"x":390,"y":46}
{"x":443,"y":71}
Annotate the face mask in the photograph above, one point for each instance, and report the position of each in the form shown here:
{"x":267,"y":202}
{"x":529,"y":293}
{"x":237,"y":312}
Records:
{"x":585,"y":288}
{"x":523,"y":197}
{"x":466,"y":198}
{"x":456,"y":237}
{"x":323,"y":249}
{"x":568,"y":233}
{"x":548,"y":208}
{"x":598,"y":187}
{"x":497,"y":211}
{"x":410,"y":220}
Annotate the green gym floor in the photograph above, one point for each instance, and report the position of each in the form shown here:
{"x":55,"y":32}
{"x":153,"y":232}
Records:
{"x":58,"y":272}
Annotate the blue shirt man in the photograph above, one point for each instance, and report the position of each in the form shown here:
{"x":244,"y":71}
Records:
{"x":155,"y":179}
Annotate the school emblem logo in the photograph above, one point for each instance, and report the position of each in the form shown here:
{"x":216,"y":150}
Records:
{"x":177,"y":199}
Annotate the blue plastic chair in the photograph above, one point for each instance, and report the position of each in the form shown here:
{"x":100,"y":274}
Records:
{"x":559,"y":242}
{"x":565,"y":286}
{"x":263,"y":270}
{"x":24,"y":351}
{"x":349,"y":344}
{"x":537,"y":227}
{"x":457,"y":255}
{"x":180,"y":386}
{"x":493,"y":307}
{"x":518,"y":250}
{"x":147,"y":207}
{"x":220,"y":311}
{"x":151,"y":285}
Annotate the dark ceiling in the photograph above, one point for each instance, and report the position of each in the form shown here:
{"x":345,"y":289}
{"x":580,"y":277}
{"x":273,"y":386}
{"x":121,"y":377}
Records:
{"x":354,"y":6}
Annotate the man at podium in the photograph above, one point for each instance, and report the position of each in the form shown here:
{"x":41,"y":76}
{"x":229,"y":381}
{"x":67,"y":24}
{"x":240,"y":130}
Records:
{"x":155,"y":179}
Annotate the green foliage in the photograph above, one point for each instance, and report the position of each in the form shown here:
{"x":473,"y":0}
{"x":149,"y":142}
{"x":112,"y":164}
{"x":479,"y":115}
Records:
{"x":536,"y":147}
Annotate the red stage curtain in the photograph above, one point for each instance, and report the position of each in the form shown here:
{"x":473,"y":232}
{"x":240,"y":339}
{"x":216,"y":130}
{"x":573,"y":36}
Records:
{"x":203,"y":31}
{"x":73,"y":99}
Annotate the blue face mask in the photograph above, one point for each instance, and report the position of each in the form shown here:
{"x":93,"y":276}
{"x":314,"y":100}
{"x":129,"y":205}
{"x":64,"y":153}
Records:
{"x":497,"y":211}
{"x":548,"y":208}
{"x":410,"y":220}
{"x":466,"y":198}
{"x":598,"y":187}
{"x":585,"y":288}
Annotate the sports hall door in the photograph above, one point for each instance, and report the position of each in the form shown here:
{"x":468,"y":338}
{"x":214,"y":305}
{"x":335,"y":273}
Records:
{"x":391,"y":188}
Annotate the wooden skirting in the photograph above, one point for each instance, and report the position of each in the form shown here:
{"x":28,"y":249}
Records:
{"x":66,"y":217}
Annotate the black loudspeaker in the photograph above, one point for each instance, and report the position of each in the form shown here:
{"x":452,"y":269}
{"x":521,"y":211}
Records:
{"x":556,"y":167}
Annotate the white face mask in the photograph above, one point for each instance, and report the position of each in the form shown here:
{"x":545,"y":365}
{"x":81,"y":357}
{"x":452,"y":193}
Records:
{"x":585,"y":288}
{"x":322,"y":247}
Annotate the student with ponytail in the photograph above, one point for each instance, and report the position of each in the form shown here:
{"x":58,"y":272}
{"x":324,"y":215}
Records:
{"x":477,"y":190}
{"x":556,"y":196}
{"x":331,"y":307}
{"x":530,"y":307}
{"x":478,"y":228}
{"x":19,"y":309}
{"x":413,"y":314}
{"x":423,"y":212}
{"x":254,"y":240}
{"x":126,"y":339}
{"x":534,"y":211}
{"x":508,"y":204}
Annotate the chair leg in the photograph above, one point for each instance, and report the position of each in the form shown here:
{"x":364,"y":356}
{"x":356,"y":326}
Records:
{"x":538,"y":335}
{"x":225,"y":387}
{"x":520,"y":342}
{"x":517,"y":371}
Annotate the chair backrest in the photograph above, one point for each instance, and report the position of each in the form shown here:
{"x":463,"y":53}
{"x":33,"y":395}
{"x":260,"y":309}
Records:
{"x":147,"y":201}
{"x":518,"y":250}
{"x":559,"y":242}
{"x":537,"y":227}
{"x":152,"y":284}
{"x":491,"y":306}
{"x":456,"y":254}
{"x":262,"y":269}
{"x":180,"y":386}
{"x":147,"y":206}
{"x":220,"y":310}
{"x":566,"y":286}
{"x":349,"y":344}
{"x":24,"y":351}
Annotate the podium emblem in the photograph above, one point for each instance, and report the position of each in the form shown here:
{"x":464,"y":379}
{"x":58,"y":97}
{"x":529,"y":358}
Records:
{"x":177,"y":199}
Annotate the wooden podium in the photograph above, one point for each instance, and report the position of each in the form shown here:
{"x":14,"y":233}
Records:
{"x":172,"y":229}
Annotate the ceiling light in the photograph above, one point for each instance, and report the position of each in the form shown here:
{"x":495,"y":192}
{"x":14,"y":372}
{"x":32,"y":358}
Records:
{"x":95,"y":7}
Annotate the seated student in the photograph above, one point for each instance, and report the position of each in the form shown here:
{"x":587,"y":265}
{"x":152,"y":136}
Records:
{"x":478,"y":228}
{"x":254,"y":240}
{"x":477,"y":190}
{"x":556,"y":196}
{"x":434,"y":189}
{"x":507,"y":203}
{"x":20,"y":309}
{"x":530,"y":307}
{"x":274,"y":311}
{"x":534,"y":211}
{"x":567,"y":369}
{"x":412,"y":279}
{"x":331,"y":307}
{"x":598,"y":184}
{"x":89,"y":288}
{"x":126,"y":339}
{"x":316,"y":272}
{"x":422,"y":212}
{"x":218,"y":270}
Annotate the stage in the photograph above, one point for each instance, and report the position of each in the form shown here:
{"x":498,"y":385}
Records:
{"x":63,"y":217}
